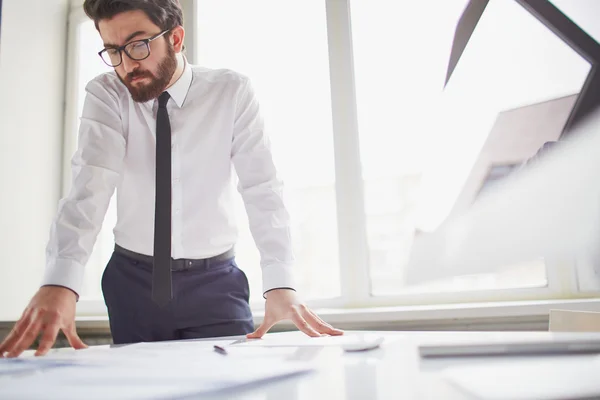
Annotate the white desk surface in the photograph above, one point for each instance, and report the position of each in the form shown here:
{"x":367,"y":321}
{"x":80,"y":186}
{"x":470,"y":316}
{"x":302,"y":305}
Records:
{"x":393,"y":371}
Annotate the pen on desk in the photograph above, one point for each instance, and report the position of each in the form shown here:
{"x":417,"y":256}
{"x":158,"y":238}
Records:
{"x":223,"y":349}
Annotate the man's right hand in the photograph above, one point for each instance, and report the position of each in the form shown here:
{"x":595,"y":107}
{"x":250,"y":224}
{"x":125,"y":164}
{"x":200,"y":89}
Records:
{"x":51,"y":309}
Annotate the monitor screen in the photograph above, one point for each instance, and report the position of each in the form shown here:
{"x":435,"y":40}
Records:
{"x":512,"y":90}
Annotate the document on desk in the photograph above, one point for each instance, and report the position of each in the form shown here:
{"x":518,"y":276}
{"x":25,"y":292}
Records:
{"x":144,"y":372}
{"x":536,"y":379}
{"x":282,"y":340}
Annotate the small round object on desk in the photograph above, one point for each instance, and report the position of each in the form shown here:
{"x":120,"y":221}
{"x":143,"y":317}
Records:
{"x":363,"y":344}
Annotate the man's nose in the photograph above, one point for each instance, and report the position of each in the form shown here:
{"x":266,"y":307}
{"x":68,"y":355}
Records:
{"x":128,"y":64}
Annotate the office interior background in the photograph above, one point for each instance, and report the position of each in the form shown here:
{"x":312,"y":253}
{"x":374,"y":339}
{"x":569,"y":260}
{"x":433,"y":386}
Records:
{"x":374,"y":150}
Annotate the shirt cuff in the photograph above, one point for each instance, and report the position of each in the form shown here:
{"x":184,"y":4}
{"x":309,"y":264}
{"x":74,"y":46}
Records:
{"x":276,"y":276}
{"x":64,"y":272}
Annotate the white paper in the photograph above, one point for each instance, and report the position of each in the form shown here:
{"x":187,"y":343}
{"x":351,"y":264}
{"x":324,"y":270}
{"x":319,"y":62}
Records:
{"x":141,"y":372}
{"x":286,"y":340}
{"x":536,"y":379}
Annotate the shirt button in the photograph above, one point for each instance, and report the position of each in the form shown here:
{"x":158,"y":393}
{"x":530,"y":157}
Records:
{"x":177,"y":211}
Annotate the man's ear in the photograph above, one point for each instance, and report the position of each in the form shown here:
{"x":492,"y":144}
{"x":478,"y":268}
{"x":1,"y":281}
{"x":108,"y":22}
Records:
{"x":177,"y":36}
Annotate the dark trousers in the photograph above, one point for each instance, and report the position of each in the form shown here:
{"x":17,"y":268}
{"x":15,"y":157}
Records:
{"x":207,"y":302}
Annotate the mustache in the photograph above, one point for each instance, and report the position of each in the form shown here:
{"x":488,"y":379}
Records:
{"x":138,"y":74}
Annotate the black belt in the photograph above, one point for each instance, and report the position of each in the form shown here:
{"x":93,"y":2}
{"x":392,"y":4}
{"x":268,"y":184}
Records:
{"x":180,"y":264}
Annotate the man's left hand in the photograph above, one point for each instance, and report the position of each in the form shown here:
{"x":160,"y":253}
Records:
{"x":283,"y":304}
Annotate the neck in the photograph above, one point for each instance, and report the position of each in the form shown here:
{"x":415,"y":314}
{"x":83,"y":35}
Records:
{"x":178,"y":71}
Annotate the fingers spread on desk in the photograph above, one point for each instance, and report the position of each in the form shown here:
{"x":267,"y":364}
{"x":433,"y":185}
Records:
{"x":332,"y":330}
{"x":48,"y":338}
{"x":73,"y":338}
{"x":303,"y":324}
{"x":318,"y":324}
{"x":262,"y":329}
{"x":15,"y":334}
{"x":27,"y":337}
{"x":9,"y":341}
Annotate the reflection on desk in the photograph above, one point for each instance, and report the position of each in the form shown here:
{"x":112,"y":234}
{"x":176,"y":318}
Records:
{"x":392,"y":371}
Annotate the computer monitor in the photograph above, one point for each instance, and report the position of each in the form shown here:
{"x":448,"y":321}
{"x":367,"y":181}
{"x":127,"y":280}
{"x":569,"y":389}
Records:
{"x":515,"y":92}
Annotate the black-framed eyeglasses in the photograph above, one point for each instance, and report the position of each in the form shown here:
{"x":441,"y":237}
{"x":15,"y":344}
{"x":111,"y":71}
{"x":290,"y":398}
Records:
{"x":137,"y":50}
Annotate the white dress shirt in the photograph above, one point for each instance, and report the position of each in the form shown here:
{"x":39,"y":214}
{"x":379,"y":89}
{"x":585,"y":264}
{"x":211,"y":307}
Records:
{"x":216,"y":125}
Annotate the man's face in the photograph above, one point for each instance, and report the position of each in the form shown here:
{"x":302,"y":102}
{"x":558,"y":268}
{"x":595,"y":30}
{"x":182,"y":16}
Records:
{"x":146,"y":79}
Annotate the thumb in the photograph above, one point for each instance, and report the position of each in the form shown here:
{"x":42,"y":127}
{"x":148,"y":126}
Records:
{"x":74,"y":339}
{"x":262,"y":329}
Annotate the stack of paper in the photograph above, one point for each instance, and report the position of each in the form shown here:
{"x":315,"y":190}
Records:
{"x":147,"y":371}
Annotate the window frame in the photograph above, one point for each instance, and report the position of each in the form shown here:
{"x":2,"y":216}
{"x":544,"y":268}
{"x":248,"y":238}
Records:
{"x":75,"y":19}
{"x":562,"y":278}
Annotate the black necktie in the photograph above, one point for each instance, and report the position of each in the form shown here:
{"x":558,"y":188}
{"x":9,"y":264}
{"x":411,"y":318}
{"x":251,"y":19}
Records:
{"x":161,"y":274}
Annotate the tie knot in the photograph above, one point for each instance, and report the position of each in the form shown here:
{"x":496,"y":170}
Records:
{"x":163,"y":99}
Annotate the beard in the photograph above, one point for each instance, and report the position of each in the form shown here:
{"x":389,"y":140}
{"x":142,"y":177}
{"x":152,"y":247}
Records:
{"x":142,"y":93}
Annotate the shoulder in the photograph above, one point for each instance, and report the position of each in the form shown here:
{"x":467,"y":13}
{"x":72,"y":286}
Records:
{"x":220,"y":76}
{"x":108,"y":86}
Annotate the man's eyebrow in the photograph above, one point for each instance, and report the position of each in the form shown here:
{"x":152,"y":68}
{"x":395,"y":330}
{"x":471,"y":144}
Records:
{"x":134,"y":34}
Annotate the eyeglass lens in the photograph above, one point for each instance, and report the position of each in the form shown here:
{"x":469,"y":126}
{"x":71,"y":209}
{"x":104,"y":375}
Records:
{"x":135,"y":50}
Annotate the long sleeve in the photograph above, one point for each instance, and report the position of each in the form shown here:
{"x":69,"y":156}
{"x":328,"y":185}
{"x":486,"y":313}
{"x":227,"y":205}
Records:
{"x":262,"y":192}
{"x":96,"y":167}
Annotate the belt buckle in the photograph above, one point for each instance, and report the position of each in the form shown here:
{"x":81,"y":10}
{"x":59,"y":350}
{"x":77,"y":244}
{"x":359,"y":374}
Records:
{"x":183,"y":264}
{"x":187,"y":264}
{"x":179,"y":264}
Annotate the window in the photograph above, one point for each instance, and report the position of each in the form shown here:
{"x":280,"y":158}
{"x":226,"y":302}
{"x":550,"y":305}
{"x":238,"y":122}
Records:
{"x":283,"y":50}
{"x":87,"y":66}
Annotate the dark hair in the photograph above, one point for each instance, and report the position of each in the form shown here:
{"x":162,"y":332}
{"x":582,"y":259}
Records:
{"x":166,"y":14}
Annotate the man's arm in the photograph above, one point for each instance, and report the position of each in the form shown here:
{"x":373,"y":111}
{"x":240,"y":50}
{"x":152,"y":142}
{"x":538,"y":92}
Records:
{"x":262,"y":192}
{"x":96,"y":168}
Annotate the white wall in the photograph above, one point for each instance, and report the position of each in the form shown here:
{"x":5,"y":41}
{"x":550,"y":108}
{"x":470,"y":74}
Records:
{"x":32,"y":74}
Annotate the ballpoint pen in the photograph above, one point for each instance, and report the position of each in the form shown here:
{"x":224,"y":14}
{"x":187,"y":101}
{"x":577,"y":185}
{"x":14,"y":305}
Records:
{"x":220,"y":349}
{"x":223,"y":349}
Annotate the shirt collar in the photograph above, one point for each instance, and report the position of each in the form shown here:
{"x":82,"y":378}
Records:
{"x":180,"y":88}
